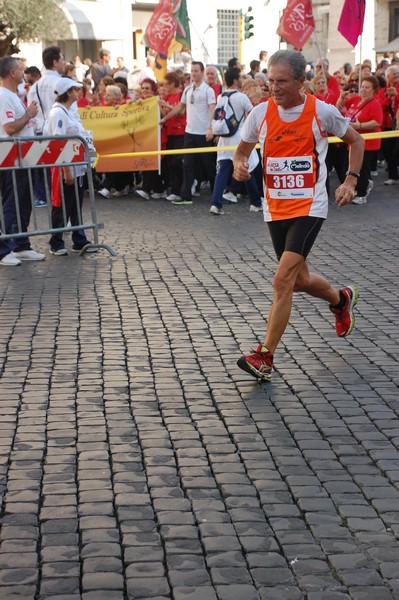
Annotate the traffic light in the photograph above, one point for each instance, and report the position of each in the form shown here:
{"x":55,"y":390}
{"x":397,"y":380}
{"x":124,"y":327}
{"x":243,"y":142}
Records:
{"x":248,"y":25}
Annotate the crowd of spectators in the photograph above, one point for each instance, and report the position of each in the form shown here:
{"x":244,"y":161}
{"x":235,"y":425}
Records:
{"x":368,"y":96}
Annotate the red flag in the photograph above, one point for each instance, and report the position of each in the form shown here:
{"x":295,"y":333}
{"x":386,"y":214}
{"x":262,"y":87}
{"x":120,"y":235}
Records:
{"x":162,"y":28}
{"x":297,"y":22}
{"x":351,"y":21}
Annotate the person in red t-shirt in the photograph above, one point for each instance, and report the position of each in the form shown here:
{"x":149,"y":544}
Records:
{"x":322,"y":67}
{"x":366,"y":117}
{"x":175,"y":128}
{"x":211,"y":78}
{"x":388,"y":97}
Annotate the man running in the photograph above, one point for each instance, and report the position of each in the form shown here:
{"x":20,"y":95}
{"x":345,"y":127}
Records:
{"x":292,"y":128}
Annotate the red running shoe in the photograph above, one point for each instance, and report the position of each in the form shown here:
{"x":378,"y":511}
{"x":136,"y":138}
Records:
{"x":344,"y":317}
{"x":259,"y":364}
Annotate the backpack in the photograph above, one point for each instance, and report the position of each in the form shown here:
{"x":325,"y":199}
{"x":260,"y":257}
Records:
{"x":225,"y":122}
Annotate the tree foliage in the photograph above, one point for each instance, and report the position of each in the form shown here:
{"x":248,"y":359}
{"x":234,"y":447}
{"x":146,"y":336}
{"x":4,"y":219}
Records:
{"x":30,"y":21}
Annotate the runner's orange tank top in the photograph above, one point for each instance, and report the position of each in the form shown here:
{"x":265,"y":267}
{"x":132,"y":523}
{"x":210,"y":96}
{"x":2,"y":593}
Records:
{"x":290,"y":161}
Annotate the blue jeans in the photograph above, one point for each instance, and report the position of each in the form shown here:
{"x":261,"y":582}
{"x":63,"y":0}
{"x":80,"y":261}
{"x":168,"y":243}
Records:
{"x":223,"y":177}
{"x":7,"y":192}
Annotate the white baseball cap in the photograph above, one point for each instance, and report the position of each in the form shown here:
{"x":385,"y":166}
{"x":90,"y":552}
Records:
{"x":65,"y":84}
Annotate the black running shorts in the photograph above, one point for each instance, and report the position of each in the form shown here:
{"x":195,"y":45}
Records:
{"x":294,"y":235}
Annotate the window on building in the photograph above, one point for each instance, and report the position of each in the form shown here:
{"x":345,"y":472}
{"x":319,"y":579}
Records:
{"x":228,"y":35}
{"x":393,"y":20}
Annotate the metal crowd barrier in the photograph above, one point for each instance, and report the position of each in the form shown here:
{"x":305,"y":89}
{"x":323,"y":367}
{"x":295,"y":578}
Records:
{"x":42,"y":153}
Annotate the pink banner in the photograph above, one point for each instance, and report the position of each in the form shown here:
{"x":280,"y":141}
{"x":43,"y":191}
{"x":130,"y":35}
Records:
{"x":351,"y":21}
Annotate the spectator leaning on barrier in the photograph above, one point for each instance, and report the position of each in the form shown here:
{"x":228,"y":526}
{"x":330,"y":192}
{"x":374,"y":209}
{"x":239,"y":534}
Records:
{"x":15,"y":120}
{"x":198,"y":100}
{"x":61,"y":122}
{"x":292,"y":129}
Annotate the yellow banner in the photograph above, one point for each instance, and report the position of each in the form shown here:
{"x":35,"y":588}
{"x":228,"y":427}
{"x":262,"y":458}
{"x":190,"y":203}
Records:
{"x":124,"y":129}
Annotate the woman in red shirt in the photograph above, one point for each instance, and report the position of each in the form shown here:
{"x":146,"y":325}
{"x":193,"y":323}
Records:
{"x":174,"y":129}
{"x":366,"y":117}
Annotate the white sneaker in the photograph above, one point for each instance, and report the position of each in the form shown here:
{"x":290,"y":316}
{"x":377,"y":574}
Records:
{"x":194,"y":189}
{"x":10,"y":260}
{"x":255,"y":209}
{"x":29,"y":255}
{"x":370,"y":186}
{"x":143,"y":194}
{"x":104,"y":193}
{"x":59,"y":252}
{"x":374,"y":173}
{"x":359,"y":200}
{"x":215,"y":210}
{"x":122,"y":192}
{"x":158,"y":195}
{"x":230,"y":197}
{"x":173,"y":197}
{"x":391,"y":182}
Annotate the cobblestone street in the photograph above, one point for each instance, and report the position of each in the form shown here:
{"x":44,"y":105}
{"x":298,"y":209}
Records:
{"x":138,"y":461}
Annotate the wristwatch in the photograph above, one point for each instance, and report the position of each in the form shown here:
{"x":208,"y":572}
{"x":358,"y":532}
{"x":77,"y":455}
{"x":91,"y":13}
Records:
{"x":352,"y":174}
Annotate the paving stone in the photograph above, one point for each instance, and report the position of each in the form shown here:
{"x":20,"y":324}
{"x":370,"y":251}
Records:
{"x":193,"y":593}
{"x":143,"y":587}
{"x":281,"y":593}
{"x":102,"y":581}
{"x":237,"y":592}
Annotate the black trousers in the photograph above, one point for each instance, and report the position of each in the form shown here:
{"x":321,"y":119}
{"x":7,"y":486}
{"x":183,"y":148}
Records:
{"x":190,"y":161}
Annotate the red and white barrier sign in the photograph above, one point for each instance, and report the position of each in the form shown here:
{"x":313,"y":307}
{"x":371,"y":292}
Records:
{"x":33,"y":153}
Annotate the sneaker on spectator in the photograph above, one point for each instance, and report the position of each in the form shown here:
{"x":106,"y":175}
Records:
{"x":158,"y":195}
{"x":59,"y":251}
{"x":123,"y":192}
{"x":182,"y":201}
{"x":143,"y":194}
{"x":29,"y":255}
{"x":90,"y":249}
{"x":215,"y":210}
{"x":194,"y":189}
{"x":255,"y":209}
{"x":259,"y":364}
{"x":345,"y":317}
{"x":391,"y":182}
{"x":39,"y":203}
{"x":171,"y":197}
{"x":374,"y":173}
{"x":230,"y":197}
{"x":359,"y":200}
{"x":10,"y":260}
{"x":104,"y":193}
{"x":370,"y":186}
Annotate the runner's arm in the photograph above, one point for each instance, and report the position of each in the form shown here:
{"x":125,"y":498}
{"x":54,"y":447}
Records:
{"x":240,"y":161}
{"x":345,"y":193}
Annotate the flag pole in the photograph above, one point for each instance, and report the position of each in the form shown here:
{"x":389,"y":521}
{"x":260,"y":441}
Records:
{"x":316,"y":41}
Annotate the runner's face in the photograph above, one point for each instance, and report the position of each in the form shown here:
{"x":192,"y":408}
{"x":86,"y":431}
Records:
{"x":284,"y":88}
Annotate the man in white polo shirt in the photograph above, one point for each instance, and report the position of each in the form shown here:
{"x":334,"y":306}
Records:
{"x":198,"y":100}
{"x":15,"y":120}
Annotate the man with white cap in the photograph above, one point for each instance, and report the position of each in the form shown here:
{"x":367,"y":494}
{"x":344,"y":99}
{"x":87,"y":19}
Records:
{"x":61,"y":121}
